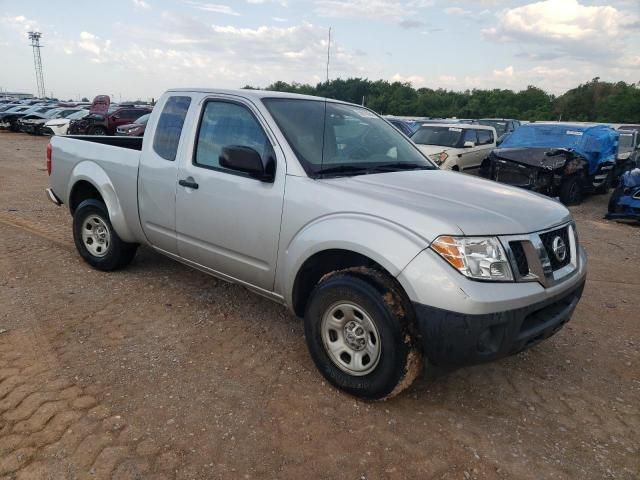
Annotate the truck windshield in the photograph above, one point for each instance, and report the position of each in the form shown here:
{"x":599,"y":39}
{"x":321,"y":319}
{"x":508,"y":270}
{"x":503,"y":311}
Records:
{"x":441,"y":136}
{"x":500,"y":126}
{"x":626,"y":142}
{"x":336,"y":139}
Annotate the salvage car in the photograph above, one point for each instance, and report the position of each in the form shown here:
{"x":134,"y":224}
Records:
{"x":388,"y":258}
{"x":34,"y":122}
{"x":556,"y":159}
{"x":625,"y":199}
{"x":60,"y":126}
{"x":456,"y":146}
{"x":135,"y":129}
{"x":10,"y":118}
{"x":628,"y":154}
{"x":104,"y":121}
{"x":504,"y":126}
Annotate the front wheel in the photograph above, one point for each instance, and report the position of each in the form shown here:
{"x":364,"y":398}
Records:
{"x":359,"y":331}
{"x":96,"y":240}
{"x":572,"y":190}
{"x":98,"y":131}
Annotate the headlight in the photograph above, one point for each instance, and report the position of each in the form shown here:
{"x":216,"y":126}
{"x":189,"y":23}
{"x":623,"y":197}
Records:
{"x":439,"y":158}
{"x":480,"y":258}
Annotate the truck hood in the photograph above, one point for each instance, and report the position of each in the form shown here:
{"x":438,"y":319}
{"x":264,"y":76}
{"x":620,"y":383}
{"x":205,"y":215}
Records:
{"x":437,"y":202}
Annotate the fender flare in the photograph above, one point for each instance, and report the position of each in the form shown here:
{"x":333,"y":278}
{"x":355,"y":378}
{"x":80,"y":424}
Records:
{"x":366,"y":235}
{"x":93,"y":174}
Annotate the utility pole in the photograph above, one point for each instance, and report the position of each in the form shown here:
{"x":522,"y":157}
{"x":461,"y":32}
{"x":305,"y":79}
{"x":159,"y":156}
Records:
{"x":328,"y":54}
{"x":37,"y":61}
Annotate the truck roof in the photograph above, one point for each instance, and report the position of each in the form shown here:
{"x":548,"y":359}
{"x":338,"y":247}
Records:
{"x":257,"y":94}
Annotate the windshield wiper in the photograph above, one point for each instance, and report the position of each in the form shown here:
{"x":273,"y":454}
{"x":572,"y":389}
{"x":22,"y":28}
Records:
{"x":343,"y":169}
{"x":390,"y":167}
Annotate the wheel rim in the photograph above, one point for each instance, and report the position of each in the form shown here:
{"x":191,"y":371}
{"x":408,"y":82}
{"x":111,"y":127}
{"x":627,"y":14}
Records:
{"x":96,"y":236}
{"x":351,"y":338}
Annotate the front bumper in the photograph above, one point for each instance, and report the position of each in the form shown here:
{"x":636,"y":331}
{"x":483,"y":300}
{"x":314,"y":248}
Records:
{"x":452,"y":338}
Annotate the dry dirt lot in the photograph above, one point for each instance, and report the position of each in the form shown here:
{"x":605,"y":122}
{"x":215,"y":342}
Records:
{"x":161,"y":372}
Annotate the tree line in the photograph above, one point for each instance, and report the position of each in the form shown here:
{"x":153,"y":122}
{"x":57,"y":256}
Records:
{"x":594,"y":101}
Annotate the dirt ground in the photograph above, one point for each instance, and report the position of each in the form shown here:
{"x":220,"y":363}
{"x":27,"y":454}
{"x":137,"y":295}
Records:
{"x":161,"y":372}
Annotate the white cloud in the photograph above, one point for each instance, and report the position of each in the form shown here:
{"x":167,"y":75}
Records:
{"x":504,"y":73}
{"x":565,"y":28}
{"x":19,"y":23}
{"x":457,"y":11}
{"x":213,"y":8}
{"x":141,"y":4}
{"x":386,"y":10}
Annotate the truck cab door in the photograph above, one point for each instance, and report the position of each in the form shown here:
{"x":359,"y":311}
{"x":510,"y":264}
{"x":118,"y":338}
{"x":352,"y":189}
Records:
{"x":158,"y":175}
{"x":227,"y":221}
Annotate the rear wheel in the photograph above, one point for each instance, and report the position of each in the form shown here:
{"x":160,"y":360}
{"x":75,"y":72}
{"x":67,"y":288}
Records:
{"x":359,"y":330}
{"x":96,"y":240}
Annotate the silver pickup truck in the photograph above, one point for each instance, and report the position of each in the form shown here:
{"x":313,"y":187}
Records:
{"x":325,"y":207}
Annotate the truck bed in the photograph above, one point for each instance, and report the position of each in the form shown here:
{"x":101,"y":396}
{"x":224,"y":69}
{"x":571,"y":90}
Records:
{"x":110,"y":164}
{"x":133,"y":143}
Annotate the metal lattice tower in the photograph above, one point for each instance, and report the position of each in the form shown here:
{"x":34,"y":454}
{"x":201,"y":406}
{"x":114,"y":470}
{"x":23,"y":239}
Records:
{"x":37,"y":61}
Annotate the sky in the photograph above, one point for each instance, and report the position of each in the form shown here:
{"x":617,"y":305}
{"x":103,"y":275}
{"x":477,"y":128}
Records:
{"x":136,"y":49}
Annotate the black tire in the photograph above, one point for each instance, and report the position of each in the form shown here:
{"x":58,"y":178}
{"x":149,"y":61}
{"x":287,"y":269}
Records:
{"x":118,"y":253}
{"x":399,"y":361}
{"x":572,"y":190}
{"x":98,"y":131}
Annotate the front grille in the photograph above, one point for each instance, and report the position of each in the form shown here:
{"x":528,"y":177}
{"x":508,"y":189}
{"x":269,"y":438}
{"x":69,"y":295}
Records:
{"x":520,"y":257}
{"x":513,"y":175}
{"x":548,"y":239}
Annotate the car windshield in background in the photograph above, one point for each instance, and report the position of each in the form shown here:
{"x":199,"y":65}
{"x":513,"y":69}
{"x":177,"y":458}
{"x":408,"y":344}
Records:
{"x":53,"y":113}
{"x":625,"y":143}
{"x":501,"y":127}
{"x":143,"y":119}
{"x":434,"y":135}
{"x":336,"y":139}
{"x":78,"y":115}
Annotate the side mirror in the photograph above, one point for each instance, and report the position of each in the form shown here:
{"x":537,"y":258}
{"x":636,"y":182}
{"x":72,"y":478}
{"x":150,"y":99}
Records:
{"x":469,"y":144}
{"x":247,"y":160}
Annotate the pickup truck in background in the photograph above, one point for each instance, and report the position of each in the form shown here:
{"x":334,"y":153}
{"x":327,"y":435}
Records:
{"x":326,"y":208}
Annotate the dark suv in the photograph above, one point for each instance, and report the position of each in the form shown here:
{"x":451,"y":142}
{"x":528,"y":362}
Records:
{"x":98,"y":124}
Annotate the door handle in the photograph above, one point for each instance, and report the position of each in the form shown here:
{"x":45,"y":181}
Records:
{"x":188,"y":184}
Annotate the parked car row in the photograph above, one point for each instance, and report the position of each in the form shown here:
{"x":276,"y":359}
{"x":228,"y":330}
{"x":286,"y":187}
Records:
{"x":105,"y":118}
{"x":100,"y":117}
{"x":562,"y":160}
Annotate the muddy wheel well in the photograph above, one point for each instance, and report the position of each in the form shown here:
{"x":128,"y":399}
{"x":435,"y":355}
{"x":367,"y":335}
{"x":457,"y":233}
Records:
{"x":82,"y":191}
{"x":318,"y":265}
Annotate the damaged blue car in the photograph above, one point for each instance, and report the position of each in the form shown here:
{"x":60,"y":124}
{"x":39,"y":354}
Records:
{"x":625,"y":199}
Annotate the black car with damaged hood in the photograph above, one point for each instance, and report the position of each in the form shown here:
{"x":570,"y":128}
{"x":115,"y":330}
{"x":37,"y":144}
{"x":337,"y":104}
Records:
{"x":558,"y":160}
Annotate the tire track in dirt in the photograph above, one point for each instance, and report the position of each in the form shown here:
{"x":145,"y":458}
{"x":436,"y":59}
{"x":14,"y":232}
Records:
{"x":52,"y":428}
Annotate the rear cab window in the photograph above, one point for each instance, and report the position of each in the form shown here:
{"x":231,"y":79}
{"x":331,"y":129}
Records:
{"x":169,"y":127}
